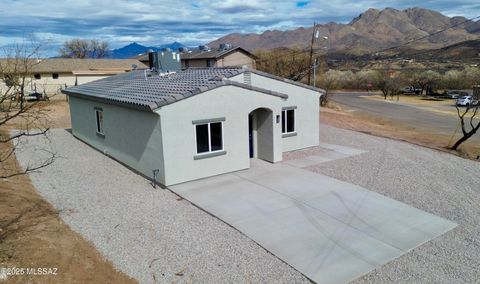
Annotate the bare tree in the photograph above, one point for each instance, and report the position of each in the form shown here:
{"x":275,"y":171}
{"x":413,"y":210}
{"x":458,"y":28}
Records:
{"x":469,"y":125}
{"x":84,"y":48}
{"x":329,"y":80}
{"x":383,"y":82}
{"x":453,"y":79}
{"x":471,"y":76}
{"x":365,"y":79}
{"x":425,"y":81}
{"x":19,"y":119}
{"x":292,"y":64}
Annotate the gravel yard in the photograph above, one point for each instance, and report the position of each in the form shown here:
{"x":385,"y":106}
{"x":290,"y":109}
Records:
{"x":435,"y":182}
{"x":153,"y":236}
{"x":150,"y":234}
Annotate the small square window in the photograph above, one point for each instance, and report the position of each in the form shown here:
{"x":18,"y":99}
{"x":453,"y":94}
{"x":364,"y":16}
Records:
{"x":37,"y":76}
{"x":55,"y":76}
{"x":209,"y":137}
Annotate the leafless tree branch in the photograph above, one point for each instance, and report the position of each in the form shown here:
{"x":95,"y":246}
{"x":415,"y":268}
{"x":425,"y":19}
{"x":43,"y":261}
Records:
{"x":474,"y":126}
{"x":27,"y":118}
{"x":35,"y":168}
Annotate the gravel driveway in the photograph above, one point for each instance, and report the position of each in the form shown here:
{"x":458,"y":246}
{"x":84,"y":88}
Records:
{"x":151,"y":235}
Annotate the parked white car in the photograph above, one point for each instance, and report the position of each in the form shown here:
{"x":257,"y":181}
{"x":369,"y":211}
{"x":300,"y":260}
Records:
{"x":466,"y":101}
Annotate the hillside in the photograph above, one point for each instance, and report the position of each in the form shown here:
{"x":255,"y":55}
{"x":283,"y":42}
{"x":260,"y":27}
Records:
{"x":370,"y":31}
{"x":134,"y":49}
{"x":466,"y":50}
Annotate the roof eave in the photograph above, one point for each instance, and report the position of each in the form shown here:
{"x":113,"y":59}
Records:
{"x":257,"y":89}
{"x":151,"y":107}
{"x":296,"y":83}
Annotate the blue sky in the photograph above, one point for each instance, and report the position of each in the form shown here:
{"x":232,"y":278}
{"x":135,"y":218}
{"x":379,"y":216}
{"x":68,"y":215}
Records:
{"x":153,"y":22}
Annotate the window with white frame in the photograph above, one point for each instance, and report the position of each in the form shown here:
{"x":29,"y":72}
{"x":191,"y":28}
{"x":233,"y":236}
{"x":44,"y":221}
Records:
{"x":99,"y":120}
{"x":209,"y":137}
{"x":288,"y":120}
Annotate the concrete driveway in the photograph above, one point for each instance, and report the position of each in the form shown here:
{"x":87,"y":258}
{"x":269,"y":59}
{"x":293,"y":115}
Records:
{"x":329,"y":230}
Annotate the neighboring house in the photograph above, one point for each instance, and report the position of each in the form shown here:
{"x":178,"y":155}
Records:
{"x":195,"y":123}
{"x":49,"y":75}
{"x":203,"y":56}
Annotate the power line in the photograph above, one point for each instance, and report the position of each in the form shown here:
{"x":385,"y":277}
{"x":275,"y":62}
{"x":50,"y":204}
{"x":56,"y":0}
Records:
{"x":428,"y":35}
{"x":366,"y":56}
{"x":405,"y":43}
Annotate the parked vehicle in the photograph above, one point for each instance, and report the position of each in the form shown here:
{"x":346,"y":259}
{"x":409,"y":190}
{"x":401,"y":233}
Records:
{"x":466,"y":101}
{"x":34,"y":96}
{"x":453,"y":94}
{"x":411,"y":90}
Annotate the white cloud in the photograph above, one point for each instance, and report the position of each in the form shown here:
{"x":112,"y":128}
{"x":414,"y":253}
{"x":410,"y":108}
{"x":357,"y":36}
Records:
{"x":190,"y":22}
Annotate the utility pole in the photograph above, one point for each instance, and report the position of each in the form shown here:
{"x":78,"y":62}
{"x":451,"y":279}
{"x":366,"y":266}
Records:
{"x":314,"y":34}
{"x":315,"y":73}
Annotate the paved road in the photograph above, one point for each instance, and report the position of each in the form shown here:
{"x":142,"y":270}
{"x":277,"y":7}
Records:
{"x":410,"y":116}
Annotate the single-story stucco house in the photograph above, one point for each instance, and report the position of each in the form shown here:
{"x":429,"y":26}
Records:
{"x":51,"y":74}
{"x":195,"y":123}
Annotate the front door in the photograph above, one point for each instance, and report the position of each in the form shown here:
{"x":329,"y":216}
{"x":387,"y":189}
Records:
{"x":250,"y":135}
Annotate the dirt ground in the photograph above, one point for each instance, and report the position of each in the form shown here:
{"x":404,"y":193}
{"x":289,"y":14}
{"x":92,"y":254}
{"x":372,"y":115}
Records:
{"x":415,"y":100}
{"x":33,"y":236}
{"x":335,"y":116}
{"x":444,"y":106}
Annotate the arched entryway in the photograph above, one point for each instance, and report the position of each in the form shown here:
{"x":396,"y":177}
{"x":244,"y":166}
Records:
{"x":261,"y":134}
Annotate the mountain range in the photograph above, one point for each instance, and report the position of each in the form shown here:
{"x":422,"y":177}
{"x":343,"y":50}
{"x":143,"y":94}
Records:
{"x":372,"y":30}
{"x":134,"y":49}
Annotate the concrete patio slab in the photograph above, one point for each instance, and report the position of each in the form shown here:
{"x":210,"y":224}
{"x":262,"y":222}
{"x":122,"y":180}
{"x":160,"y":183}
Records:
{"x":328,"y":153}
{"x":329,"y":230}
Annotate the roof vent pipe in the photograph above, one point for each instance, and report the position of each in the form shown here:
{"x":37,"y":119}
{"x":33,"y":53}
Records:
{"x":224,"y":46}
{"x":203,"y":48}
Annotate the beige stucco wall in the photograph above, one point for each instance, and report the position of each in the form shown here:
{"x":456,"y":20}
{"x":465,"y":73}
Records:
{"x":234,"y":104}
{"x":51,"y":86}
{"x":194,"y":63}
{"x":307,"y":113}
{"x":238,"y":59}
{"x":135,"y":137}
{"x":132,"y":137}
